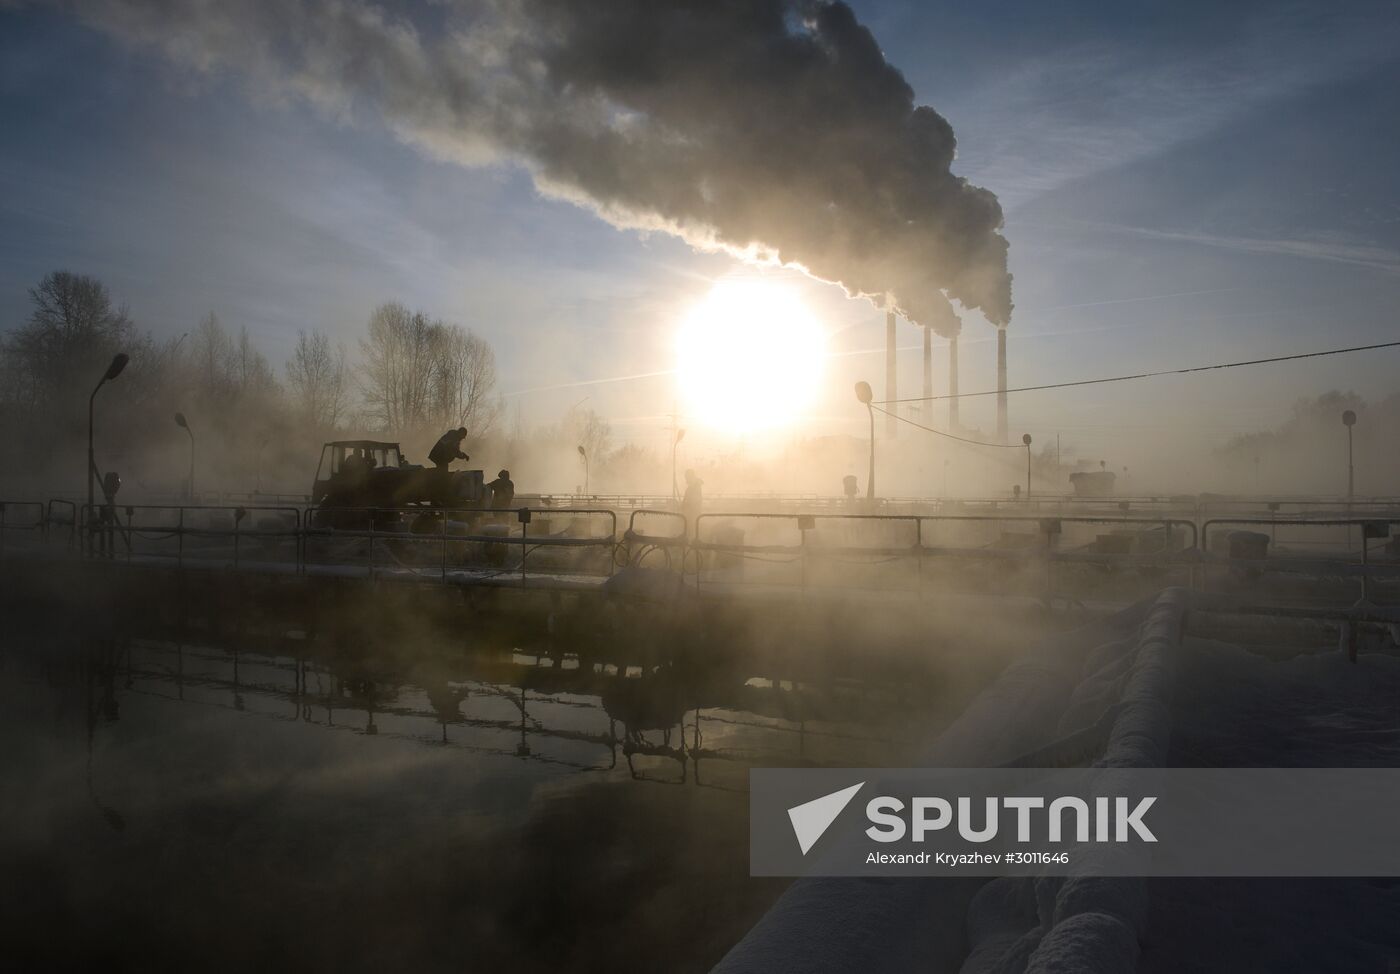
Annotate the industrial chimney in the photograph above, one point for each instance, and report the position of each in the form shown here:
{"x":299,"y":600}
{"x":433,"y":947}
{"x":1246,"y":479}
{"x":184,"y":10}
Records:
{"x":927,"y":410}
{"x":1001,"y":385}
{"x":953,"y":383}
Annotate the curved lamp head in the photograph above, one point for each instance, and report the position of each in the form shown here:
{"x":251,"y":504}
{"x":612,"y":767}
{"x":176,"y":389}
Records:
{"x":1348,"y":418}
{"x":680,"y":435}
{"x":115,"y":369}
{"x":864,"y":393}
{"x":582,"y":452}
{"x":1026,"y":439}
{"x":180,"y":421}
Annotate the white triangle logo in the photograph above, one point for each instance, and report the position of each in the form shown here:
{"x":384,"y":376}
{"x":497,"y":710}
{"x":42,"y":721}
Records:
{"x":810,"y":820}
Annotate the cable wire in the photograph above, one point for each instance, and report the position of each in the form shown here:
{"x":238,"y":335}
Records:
{"x":930,"y":429}
{"x":1140,"y":375}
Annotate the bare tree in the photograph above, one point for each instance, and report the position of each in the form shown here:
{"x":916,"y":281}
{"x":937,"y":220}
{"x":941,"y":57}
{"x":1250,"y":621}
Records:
{"x":71,"y":334}
{"x":588,"y":430}
{"x":464,"y":379}
{"x":316,"y":374}
{"x":396,"y":370}
{"x":420,"y":372}
{"x":211,"y":361}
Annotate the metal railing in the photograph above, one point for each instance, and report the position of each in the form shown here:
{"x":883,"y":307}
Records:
{"x":23,"y":518}
{"x":1309,"y":545}
{"x":372,"y":542}
{"x":986,"y":552}
{"x":465,"y":538}
{"x":854,"y":544}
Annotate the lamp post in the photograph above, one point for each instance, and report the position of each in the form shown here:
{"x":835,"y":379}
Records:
{"x":113,"y":370}
{"x":676,"y":442}
{"x":1349,"y":420}
{"x":257,"y":473}
{"x":584,"y":453}
{"x":181,"y":422}
{"x":865,"y":395}
{"x":1026,"y":439}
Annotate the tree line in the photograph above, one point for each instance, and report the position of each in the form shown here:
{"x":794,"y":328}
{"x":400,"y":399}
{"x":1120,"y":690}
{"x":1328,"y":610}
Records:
{"x":413,"y":377}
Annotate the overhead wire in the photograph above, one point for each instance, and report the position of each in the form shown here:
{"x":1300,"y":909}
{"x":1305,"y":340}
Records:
{"x":1126,"y":378}
{"x":960,"y":439}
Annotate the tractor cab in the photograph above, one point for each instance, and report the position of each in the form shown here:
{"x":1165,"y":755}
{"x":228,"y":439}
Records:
{"x":347,"y":465}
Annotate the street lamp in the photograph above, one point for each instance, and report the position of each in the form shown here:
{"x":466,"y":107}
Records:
{"x":257,"y":464}
{"x":115,"y":369}
{"x":584,"y":453}
{"x":864,"y":394}
{"x":675,"y":489}
{"x":1349,"y":420}
{"x":181,"y":422}
{"x":1026,"y":439}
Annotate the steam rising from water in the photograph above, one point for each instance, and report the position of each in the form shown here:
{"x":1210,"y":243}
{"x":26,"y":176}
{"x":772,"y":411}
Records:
{"x":771,"y":129}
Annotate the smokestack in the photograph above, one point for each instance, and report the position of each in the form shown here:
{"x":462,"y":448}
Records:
{"x":953,"y":383}
{"x":1001,"y":384}
{"x":927,"y":409}
{"x":891,"y":391}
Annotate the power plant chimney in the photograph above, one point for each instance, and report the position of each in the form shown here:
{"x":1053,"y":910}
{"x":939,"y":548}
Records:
{"x":927,"y":410}
{"x":891,"y":391}
{"x":1001,"y":384}
{"x":953,"y":383}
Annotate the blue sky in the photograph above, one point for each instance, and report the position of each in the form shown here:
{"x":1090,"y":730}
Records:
{"x":1183,"y":183}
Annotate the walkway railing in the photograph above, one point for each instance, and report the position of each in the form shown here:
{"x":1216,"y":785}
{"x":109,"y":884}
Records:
{"x":988,"y":551}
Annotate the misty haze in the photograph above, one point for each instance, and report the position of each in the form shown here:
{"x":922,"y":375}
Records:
{"x":453,"y":448}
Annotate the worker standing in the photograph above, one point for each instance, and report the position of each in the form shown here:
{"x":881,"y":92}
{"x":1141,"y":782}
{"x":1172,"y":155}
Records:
{"x":692,"y":502}
{"x":502,"y":490}
{"x":448,"y":448}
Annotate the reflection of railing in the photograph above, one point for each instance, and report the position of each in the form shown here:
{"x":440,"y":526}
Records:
{"x":573,"y":712}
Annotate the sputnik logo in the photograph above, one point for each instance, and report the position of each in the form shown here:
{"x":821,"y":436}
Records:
{"x":810,"y":820}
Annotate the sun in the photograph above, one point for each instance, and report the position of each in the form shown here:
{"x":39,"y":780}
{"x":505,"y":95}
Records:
{"x":749,"y":357}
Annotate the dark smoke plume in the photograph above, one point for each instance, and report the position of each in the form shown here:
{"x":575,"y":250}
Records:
{"x":773,"y":129}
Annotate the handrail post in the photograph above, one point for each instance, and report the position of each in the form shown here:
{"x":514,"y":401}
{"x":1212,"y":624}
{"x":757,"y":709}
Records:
{"x":1365,"y":558}
{"x":919,"y":553}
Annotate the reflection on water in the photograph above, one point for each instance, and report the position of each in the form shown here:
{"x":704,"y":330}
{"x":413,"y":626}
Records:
{"x":283,"y":802}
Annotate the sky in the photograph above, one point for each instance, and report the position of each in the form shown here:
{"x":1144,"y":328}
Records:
{"x":1183,"y":183}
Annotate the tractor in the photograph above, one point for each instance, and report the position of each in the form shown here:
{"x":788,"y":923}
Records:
{"x":356,"y":476}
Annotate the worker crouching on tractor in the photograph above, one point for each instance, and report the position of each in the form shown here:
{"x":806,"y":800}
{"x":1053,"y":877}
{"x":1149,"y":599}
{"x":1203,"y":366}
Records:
{"x":448,"y":448}
{"x":444,"y":451}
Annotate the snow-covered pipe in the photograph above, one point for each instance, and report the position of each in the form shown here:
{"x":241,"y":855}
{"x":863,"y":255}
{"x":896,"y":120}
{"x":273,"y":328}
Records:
{"x":888,"y":925}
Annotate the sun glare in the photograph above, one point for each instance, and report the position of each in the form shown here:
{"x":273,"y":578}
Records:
{"x":749,"y":357}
